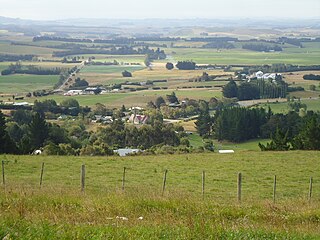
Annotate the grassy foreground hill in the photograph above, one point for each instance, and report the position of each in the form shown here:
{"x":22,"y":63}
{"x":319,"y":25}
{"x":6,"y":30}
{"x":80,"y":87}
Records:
{"x":59,"y":210}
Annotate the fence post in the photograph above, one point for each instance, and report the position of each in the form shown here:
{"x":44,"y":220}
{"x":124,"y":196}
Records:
{"x":274,"y":188}
{"x":239,"y":186}
{"x":3,"y":178}
{"x":41,"y":174}
{"x":164,"y":181}
{"x":83,"y":176}
{"x":203,"y":182}
{"x":310,"y":189}
{"x":123,"y":178}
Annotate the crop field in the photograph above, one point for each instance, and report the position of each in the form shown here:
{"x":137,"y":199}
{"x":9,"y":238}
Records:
{"x":26,"y":83}
{"x":59,"y":209}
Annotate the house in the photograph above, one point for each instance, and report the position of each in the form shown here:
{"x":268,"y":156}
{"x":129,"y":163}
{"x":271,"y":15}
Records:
{"x":138,"y":119}
{"x":267,"y":76}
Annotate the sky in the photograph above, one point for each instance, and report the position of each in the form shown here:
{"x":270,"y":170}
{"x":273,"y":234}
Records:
{"x":175,"y":9}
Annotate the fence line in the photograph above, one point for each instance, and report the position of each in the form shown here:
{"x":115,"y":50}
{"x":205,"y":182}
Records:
{"x":165,"y":176}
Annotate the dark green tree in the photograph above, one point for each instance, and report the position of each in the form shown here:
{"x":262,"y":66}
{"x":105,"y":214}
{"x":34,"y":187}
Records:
{"x":159,"y":102}
{"x":38,"y":131}
{"x":279,"y":142}
{"x":204,"y":124}
{"x":230,"y":90}
{"x":169,"y":66}
{"x":6,"y":143}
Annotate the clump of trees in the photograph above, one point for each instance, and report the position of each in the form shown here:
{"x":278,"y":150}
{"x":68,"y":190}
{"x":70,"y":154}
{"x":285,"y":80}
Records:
{"x":255,"y":90}
{"x":186,"y":65}
{"x":238,"y":124}
{"x":311,"y":77}
{"x":169,"y":66}
{"x":305,"y":137}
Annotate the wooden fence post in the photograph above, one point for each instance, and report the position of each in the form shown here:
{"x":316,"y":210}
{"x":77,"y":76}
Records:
{"x":310,"y":189}
{"x":164,"y":181}
{"x":239,"y":186}
{"x":83,"y":176}
{"x":41,"y":174}
{"x":123,"y":178}
{"x":274,"y":188}
{"x":203,"y":182}
{"x":3,"y":178}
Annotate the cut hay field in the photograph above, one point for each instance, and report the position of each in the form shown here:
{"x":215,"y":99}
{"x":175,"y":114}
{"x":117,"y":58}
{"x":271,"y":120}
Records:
{"x":60,"y":211}
{"x":24,"y":83}
{"x":112,"y":74}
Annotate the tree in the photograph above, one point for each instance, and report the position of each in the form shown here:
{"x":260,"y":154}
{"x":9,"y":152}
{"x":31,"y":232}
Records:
{"x":186,"y":65}
{"x":38,"y":130}
{"x":279,"y":142}
{"x":172,"y":98}
{"x":312,"y":87}
{"x":126,"y":74}
{"x":70,"y":103}
{"x":230,"y":90}
{"x":204,"y":124}
{"x":309,"y":137}
{"x":159,"y":102}
{"x":248,"y":91}
{"x":169,"y":66}
{"x":147,"y":60}
{"x":6,"y":143}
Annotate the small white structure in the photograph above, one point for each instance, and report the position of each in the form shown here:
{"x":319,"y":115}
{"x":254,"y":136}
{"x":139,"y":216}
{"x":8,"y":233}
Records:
{"x":126,"y":151}
{"x":37,"y":152}
{"x":226,"y":151}
{"x":73,"y":93}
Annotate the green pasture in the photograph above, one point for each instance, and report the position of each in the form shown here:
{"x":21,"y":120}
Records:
{"x":26,"y":83}
{"x":312,"y":105}
{"x":138,"y":98}
{"x":241,"y":56}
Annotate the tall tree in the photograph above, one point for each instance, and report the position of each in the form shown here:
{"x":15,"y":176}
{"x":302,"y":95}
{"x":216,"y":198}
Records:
{"x":6,"y":143}
{"x":204,"y":124}
{"x":38,"y":130}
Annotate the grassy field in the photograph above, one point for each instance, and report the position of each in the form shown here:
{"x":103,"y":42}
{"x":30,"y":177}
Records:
{"x":312,"y":104}
{"x":60,"y":211}
{"x":7,"y":48}
{"x":240,"y":56}
{"x":138,"y":98}
{"x":26,"y":83}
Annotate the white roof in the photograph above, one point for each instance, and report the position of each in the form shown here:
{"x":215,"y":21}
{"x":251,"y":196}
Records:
{"x":226,"y":151}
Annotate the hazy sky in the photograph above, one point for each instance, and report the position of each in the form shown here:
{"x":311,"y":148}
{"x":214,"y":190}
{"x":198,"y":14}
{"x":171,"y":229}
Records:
{"x":58,"y":9}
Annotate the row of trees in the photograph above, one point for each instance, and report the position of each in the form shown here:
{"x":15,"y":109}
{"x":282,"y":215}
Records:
{"x":15,"y":58}
{"x":311,"y":77}
{"x":261,"y":47}
{"x":123,"y":50}
{"x":255,"y":90}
